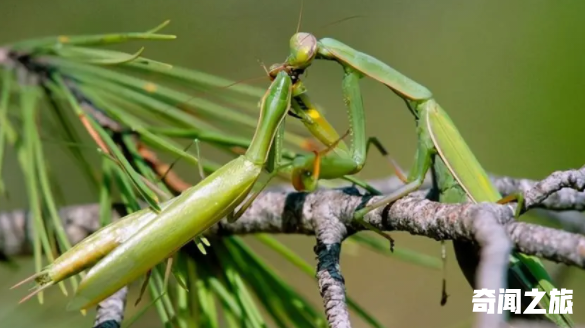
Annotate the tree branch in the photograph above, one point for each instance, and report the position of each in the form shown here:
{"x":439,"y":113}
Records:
{"x":110,"y":312}
{"x":284,"y":212}
{"x":562,"y":190}
{"x":328,"y":214}
{"x":330,"y":232}
{"x":554,"y":209}
{"x":492,"y":272}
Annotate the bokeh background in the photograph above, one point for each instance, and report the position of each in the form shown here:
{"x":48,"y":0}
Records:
{"x":510,"y":73}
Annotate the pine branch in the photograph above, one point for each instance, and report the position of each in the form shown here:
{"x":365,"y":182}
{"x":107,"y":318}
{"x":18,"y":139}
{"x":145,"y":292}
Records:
{"x":328,"y":214}
{"x":110,"y":312}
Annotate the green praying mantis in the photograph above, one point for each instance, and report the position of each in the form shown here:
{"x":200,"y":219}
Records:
{"x":458,"y":176}
{"x":179,"y":221}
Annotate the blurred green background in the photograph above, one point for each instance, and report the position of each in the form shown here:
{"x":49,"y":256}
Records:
{"x":510,"y":73}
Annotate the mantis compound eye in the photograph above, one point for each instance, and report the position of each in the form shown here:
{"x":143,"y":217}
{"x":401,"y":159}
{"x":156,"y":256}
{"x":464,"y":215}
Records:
{"x":274,"y":69}
{"x":303,"y":180}
{"x":303,"y":48}
{"x":309,"y":181}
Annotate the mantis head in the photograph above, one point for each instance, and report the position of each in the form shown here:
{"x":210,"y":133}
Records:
{"x":303,"y":49}
{"x":305,"y":173}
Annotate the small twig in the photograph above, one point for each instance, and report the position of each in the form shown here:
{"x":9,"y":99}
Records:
{"x":110,"y":312}
{"x":573,"y":180}
{"x":99,"y":115}
{"x":562,"y":190}
{"x":493,"y":266}
{"x":330,"y":232}
{"x":572,"y":221}
{"x":552,"y":244}
{"x":163,"y":170}
{"x":553,"y":208}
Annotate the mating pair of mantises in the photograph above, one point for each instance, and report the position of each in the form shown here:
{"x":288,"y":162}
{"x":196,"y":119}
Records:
{"x":117,"y":257}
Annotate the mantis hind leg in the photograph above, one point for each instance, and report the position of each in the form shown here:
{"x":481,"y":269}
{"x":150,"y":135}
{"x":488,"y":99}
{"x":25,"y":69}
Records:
{"x":143,"y":287}
{"x":399,"y":173}
{"x":444,"y":295}
{"x":413,"y":182}
{"x":359,"y":215}
{"x":373,"y":141}
{"x":519,"y":198}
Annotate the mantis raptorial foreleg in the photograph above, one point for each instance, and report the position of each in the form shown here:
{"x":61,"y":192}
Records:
{"x":382,"y":150}
{"x":274,"y":171}
{"x":340,"y":161}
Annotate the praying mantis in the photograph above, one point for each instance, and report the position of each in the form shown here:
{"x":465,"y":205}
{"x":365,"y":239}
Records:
{"x":458,"y":176}
{"x":187,"y":216}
